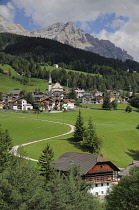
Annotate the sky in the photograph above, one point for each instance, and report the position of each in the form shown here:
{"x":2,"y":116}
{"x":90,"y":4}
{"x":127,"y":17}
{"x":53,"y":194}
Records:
{"x":114,"y":20}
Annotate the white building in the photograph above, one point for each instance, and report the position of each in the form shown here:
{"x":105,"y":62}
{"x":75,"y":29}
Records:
{"x":20,"y":104}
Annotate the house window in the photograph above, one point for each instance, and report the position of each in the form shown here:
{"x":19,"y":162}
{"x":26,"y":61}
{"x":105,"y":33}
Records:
{"x":102,"y":192}
{"x":101,"y":184}
{"x":107,"y":184}
{"x":96,"y":185}
{"x":96,"y":193}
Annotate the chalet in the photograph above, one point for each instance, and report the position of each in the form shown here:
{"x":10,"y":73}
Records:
{"x":102,"y":172}
{"x":68,"y":104}
{"x":19,"y":104}
{"x":86,"y":98}
{"x":49,"y":104}
{"x":98,"y":93}
{"x":112,"y":98}
{"x":114,"y":92}
{"x":79,"y":92}
{"x":15,"y":93}
{"x":98,"y":100}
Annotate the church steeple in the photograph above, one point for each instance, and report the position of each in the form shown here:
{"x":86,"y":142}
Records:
{"x":50,"y":84}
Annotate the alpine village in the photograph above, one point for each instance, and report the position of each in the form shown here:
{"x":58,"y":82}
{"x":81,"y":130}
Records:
{"x":69,"y":124}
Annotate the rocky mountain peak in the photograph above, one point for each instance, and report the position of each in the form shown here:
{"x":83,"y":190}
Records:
{"x":67,"y":33}
{"x":9,"y":27}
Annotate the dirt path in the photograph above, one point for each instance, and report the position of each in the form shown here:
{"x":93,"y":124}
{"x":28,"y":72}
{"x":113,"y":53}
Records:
{"x":14,"y":149}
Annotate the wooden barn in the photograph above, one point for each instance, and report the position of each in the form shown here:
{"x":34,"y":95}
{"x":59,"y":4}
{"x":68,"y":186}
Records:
{"x":97,"y":169}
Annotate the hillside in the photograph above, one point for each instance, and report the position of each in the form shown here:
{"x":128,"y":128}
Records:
{"x":44,"y":50}
{"x":27,"y":54}
{"x":69,"y":34}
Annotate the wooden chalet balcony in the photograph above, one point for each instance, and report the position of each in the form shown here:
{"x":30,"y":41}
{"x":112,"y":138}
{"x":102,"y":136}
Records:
{"x":99,"y":177}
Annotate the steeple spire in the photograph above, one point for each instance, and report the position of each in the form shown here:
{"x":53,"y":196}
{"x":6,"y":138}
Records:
{"x":50,"y":84}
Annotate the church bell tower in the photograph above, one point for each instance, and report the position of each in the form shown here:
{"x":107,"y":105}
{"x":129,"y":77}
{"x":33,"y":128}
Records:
{"x":50,"y":85}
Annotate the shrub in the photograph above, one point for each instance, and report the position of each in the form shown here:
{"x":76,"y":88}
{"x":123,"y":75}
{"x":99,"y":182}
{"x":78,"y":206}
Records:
{"x":137,"y":126}
{"x":128,"y":109}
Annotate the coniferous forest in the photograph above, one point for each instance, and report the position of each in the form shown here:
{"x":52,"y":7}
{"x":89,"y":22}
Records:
{"x":27,"y":54}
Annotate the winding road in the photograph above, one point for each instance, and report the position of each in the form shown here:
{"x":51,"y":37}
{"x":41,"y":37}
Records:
{"x":14,"y":149}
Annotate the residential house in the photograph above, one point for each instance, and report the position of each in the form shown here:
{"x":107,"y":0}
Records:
{"x":79,"y":92}
{"x":98,"y":93}
{"x":87,"y":98}
{"x":15,"y":93}
{"x":96,"y":169}
{"x":55,"y":65}
{"x":114,"y":92}
{"x":49,"y":104}
{"x":98,"y":100}
{"x":19,"y":104}
{"x":2,"y":104}
{"x":68,"y":104}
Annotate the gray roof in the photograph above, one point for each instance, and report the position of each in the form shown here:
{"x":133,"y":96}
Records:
{"x":86,"y":161}
{"x":14,"y":92}
{"x":128,"y":168}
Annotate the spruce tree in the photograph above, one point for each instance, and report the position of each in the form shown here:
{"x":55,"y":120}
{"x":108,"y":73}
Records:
{"x":79,"y":128}
{"x":45,"y":161}
{"x":90,"y":142}
{"x":5,"y":146}
{"x":106,"y":103}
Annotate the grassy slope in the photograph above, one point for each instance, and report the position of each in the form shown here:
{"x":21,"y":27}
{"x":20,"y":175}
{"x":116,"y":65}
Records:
{"x":51,"y":68}
{"x":117,"y":129}
{"x":7,"y":84}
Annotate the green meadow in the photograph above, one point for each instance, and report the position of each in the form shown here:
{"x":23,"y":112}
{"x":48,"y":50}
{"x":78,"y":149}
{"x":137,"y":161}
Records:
{"x":116,"y":129}
{"x":32,"y":84}
{"x":12,"y":84}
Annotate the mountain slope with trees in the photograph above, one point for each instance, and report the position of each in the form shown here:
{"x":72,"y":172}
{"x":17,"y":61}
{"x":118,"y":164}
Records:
{"x":26,"y":54}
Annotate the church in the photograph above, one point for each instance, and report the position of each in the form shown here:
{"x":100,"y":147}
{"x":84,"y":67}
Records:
{"x":55,"y":91}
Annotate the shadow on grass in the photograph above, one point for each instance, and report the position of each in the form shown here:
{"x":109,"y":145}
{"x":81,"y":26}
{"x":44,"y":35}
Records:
{"x":75,"y":144}
{"x":133,"y":153}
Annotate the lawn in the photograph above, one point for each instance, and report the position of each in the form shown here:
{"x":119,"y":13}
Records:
{"x":116,"y":129}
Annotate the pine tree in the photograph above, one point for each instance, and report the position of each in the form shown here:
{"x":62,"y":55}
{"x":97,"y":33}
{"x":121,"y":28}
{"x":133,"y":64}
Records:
{"x":106,"y":103}
{"x":90,"y":143}
{"x":5,"y":146}
{"x":45,"y":161}
{"x":79,"y":128}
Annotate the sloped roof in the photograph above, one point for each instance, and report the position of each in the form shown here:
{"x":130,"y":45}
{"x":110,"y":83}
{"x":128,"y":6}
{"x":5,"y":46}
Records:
{"x":86,"y":161}
{"x":15,"y":92}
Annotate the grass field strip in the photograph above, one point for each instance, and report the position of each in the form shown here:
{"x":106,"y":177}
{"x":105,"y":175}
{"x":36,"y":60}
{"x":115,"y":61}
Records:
{"x":14,"y":149}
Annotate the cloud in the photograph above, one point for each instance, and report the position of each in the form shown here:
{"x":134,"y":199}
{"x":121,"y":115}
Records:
{"x":8,"y":11}
{"x":123,"y":40}
{"x":47,"y":12}
{"x":118,"y":23}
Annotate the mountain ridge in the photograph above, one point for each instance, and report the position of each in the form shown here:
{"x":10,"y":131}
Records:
{"x":69,"y":34}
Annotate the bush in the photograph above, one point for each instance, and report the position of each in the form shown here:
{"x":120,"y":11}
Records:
{"x":128,"y":109}
{"x":137,"y":126}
